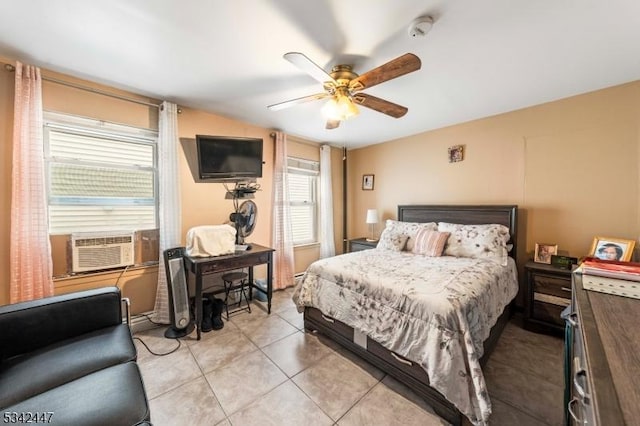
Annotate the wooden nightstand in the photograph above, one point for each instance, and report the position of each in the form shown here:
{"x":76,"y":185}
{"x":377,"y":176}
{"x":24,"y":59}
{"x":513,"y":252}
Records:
{"x":548,"y":292}
{"x":358,"y":244}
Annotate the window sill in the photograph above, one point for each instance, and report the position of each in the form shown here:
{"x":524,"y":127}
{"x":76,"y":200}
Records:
{"x":307,"y":245}
{"x":103,"y":273}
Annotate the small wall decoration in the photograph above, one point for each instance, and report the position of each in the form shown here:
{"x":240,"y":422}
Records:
{"x":543,"y":253}
{"x":456,"y":153}
{"x":367,"y":182}
{"x":606,"y":248}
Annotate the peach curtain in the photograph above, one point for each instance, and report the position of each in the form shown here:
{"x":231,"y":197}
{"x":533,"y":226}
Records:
{"x":282,"y":238}
{"x":31,"y":267}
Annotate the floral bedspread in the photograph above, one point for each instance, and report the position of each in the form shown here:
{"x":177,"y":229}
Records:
{"x":436,"y":311}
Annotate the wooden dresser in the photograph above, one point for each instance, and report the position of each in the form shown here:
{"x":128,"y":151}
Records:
{"x":604,"y":367}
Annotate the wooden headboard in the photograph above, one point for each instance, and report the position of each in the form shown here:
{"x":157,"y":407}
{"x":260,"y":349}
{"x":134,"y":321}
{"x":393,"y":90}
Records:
{"x":466,"y":215}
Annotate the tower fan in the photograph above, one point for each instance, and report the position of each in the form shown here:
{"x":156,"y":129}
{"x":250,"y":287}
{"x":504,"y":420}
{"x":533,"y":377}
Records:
{"x":244,"y":219}
{"x":181,"y":323}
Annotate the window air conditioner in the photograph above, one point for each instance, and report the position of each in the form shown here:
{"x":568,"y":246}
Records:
{"x":94,"y":251}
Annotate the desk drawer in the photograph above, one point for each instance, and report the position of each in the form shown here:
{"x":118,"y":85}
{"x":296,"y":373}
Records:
{"x":235,"y":263}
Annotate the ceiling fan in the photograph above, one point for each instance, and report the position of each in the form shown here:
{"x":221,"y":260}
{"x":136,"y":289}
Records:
{"x":343,"y":87}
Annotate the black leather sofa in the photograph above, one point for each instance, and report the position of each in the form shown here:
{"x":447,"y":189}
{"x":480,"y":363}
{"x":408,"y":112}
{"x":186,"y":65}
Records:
{"x":70,"y":360}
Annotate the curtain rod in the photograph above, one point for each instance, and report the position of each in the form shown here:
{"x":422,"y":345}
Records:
{"x":12,"y":68}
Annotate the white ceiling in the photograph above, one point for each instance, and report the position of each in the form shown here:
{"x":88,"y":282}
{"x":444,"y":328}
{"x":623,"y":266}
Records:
{"x":481,"y":58}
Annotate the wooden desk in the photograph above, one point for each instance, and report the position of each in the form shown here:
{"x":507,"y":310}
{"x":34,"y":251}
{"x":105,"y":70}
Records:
{"x":201,"y":266}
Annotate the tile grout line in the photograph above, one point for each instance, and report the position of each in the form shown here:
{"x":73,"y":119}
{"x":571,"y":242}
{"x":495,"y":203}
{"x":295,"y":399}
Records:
{"x":258,"y":348}
{"x":361,"y":398}
{"x":203,"y":375}
{"x":521,"y":411}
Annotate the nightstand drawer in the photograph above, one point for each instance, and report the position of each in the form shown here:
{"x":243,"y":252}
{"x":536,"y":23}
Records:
{"x":359,"y":244}
{"x":553,"y":285}
{"x":548,"y":312}
{"x":548,"y":293}
{"x":358,"y":247}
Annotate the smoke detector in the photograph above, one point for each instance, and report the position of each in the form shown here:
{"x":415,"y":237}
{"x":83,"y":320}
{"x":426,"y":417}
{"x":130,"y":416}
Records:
{"x":421,"y":26}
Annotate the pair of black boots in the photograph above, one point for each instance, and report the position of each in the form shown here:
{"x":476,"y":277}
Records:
{"x":212,"y":313}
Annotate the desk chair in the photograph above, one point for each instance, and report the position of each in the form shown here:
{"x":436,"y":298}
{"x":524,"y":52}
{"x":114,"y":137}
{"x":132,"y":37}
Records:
{"x":236,"y":281}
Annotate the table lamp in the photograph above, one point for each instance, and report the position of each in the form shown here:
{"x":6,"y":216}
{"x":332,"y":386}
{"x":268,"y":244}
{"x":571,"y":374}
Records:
{"x":372,"y":219}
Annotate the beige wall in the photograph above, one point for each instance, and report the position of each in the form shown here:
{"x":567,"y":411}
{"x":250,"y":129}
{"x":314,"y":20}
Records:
{"x":570,"y":165}
{"x":202,"y":203}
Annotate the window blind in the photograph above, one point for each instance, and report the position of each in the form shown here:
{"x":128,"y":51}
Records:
{"x":303,"y":177}
{"x":100,"y":177}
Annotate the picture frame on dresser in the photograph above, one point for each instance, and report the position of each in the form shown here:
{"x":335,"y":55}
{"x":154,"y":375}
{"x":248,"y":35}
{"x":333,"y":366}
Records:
{"x":543,"y":252}
{"x":606,"y":248}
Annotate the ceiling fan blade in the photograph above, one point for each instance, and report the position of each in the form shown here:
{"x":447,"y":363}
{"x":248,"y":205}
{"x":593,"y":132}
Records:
{"x":307,"y":65}
{"x":380,"y":105}
{"x":395,"y":68}
{"x":332,"y":124}
{"x":292,"y":102}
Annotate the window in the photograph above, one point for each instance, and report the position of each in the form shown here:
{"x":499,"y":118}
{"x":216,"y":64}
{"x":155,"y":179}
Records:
{"x":303,"y":190}
{"x":100,"y":176}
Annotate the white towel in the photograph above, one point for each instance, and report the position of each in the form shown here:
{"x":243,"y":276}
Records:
{"x":211,"y":240}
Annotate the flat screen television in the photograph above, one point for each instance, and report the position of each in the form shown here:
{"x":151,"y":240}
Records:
{"x":229,"y":158}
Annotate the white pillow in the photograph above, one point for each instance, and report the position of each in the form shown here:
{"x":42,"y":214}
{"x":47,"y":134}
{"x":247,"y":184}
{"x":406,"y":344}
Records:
{"x":392,"y":240}
{"x":410,"y":229}
{"x":477,"y":241}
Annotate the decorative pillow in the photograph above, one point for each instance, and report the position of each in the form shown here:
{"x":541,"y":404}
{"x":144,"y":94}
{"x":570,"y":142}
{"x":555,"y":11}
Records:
{"x":410,"y":229}
{"x":477,"y":241}
{"x":430,"y":243}
{"x":392,"y":240}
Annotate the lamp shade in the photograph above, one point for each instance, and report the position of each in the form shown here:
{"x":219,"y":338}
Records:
{"x":339,"y":108}
{"x":372,"y":216}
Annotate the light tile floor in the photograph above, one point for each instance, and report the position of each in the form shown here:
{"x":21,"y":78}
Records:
{"x":264,"y":370}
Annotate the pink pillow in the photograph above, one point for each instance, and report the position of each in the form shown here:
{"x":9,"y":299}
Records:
{"x":430,"y":243}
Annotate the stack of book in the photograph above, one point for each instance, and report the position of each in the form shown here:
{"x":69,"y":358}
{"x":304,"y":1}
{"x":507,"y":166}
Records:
{"x":607,"y":276}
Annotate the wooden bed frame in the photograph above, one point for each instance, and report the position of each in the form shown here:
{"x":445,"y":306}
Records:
{"x":408,"y":372}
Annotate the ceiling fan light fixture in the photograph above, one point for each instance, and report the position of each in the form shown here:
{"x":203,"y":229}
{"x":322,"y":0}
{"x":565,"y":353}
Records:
{"x":342,"y":87}
{"x":339,"y":108}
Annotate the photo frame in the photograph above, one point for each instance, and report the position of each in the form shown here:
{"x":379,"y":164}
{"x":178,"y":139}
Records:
{"x":543,"y":252}
{"x":456,"y":153}
{"x":367,"y":182}
{"x":606,"y":248}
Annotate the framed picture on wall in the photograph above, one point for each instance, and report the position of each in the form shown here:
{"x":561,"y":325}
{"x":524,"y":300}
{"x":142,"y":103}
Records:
{"x":606,"y":248}
{"x":543,"y":253}
{"x":456,"y":153}
{"x":367,"y":182}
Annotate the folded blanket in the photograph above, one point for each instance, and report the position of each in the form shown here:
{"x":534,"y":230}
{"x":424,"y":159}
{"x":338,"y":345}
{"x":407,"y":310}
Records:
{"x":211,"y":240}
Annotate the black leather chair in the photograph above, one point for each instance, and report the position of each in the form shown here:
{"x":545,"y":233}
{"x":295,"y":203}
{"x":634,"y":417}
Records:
{"x":71,"y":359}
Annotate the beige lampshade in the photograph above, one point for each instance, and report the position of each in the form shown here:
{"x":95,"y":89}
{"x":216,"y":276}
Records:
{"x":372,"y":216}
{"x":340,"y":107}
